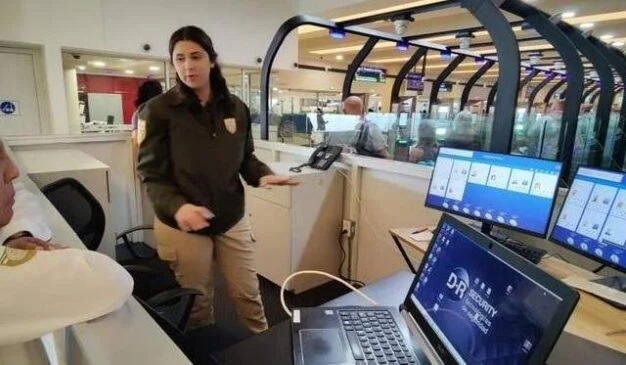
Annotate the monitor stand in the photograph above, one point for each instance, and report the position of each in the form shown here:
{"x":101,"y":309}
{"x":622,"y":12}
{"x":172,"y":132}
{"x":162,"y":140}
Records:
{"x":529,"y":252}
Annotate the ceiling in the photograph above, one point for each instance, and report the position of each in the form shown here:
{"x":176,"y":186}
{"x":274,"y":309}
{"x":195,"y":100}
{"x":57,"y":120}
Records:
{"x":317,"y":48}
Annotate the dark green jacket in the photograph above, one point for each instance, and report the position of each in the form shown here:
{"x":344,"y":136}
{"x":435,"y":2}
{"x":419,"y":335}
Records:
{"x":194,"y":154}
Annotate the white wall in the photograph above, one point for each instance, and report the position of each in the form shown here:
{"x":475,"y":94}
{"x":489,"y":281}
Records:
{"x":241,"y":29}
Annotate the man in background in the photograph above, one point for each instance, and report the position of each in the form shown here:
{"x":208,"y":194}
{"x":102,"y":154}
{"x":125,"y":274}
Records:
{"x":369,"y":140}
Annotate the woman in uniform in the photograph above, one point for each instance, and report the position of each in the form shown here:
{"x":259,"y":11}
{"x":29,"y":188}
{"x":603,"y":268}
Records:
{"x":198,"y":143}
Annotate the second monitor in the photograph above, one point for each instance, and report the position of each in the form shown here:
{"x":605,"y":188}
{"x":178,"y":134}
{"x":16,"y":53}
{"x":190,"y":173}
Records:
{"x":510,"y":191}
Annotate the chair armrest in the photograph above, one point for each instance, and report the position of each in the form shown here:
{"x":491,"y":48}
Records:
{"x":122,"y":236}
{"x":141,"y":270}
{"x":166,"y":296}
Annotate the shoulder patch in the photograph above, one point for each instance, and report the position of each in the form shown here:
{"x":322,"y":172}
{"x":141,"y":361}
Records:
{"x":13,"y":257}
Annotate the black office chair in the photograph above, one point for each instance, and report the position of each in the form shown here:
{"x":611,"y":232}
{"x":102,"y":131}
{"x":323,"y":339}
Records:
{"x":199,"y":344}
{"x":80,"y":208}
{"x":129,"y":251}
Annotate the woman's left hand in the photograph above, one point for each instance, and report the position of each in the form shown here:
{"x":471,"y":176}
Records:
{"x":277,"y":180}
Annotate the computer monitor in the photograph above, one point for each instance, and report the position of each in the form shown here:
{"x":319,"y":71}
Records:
{"x":479,"y":303}
{"x":592,"y":221}
{"x":505,"y":190}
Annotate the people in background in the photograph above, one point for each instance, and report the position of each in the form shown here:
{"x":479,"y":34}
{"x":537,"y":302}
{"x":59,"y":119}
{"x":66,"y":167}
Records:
{"x":369,"y":140}
{"x":321,"y":123}
{"x":45,"y":288}
{"x":544,"y":134}
{"x":198,"y":143}
{"x":426,"y":149}
{"x":463,"y":134}
{"x":148,"y":90}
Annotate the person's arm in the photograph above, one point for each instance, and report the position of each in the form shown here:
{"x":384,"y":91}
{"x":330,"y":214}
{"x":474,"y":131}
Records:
{"x":376,"y":142}
{"x":28,"y":219}
{"x":252,"y":170}
{"x":44,"y":291}
{"x":155,"y":165}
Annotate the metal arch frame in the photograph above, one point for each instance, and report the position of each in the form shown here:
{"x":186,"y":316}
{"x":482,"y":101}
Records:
{"x":483,"y":10}
{"x":491,"y":98}
{"x":535,"y":92}
{"x":574,"y":79}
{"x":553,"y":91}
{"x":619,"y":65}
{"x":500,"y":31}
{"x":454,"y":31}
{"x":601,"y":65}
{"x":354,"y":66}
{"x":406,"y":68}
{"x":434,"y":91}
{"x":589,"y":91}
{"x":473,"y":80}
{"x":595,"y":96}
{"x":494,"y":90}
{"x":528,"y":79}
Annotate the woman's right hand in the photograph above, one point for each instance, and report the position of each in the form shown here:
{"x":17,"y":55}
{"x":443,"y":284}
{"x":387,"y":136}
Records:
{"x":192,"y":218}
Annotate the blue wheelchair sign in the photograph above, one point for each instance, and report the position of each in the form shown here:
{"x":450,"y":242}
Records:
{"x":8,"y":107}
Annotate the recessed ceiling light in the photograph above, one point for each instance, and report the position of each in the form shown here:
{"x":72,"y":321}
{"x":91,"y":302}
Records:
{"x":275,"y":89}
{"x":606,"y":37}
{"x":98,"y":63}
{"x":81,"y":67}
{"x":568,"y":14}
{"x":618,"y":44}
{"x":124,"y":60}
{"x":154,"y":68}
{"x":129,"y":72}
{"x":586,"y":25}
{"x":339,"y":57}
{"x":281,"y":91}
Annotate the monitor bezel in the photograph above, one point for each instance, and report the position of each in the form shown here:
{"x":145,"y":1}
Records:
{"x":607,"y":263}
{"x":569,"y":297}
{"x":496,"y":223}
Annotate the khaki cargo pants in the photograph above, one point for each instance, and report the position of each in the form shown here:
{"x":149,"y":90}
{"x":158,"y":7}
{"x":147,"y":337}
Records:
{"x":191,"y":257}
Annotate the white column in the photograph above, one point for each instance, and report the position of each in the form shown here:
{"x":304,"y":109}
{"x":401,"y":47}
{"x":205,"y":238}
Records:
{"x":53,"y":66}
{"x":71,"y":97}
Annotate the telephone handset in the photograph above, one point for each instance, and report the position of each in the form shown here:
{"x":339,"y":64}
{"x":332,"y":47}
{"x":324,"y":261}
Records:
{"x":321,"y":159}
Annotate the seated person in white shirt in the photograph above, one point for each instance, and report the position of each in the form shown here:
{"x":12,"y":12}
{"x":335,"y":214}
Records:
{"x":45,"y":289}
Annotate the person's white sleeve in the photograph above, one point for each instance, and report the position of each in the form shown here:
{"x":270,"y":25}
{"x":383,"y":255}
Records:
{"x":27,"y":216}
{"x":375,"y":141}
{"x":55,"y":289}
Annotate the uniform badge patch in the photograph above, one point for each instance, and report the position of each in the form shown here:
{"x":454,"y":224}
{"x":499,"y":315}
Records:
{"x":14,"y":257}
{"x":231,"y":125}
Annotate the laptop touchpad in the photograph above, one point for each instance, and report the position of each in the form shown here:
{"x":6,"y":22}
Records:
{"x":322,"y":346}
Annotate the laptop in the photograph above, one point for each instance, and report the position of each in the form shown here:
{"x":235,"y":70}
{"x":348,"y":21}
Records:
{"x":472,"y":301}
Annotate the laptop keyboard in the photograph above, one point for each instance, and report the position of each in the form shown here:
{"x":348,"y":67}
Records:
{"x":375,"y":338}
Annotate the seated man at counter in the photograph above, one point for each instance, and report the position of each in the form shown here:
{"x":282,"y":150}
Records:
{"x":45,"y":289}
{"x":369,"y":140}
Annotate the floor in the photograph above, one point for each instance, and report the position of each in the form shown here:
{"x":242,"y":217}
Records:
{"x":226,"y":316}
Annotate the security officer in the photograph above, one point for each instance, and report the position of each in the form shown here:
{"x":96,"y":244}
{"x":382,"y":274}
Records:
{"x":198,"y":142}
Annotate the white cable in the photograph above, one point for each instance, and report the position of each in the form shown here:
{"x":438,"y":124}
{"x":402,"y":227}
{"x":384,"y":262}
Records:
{"x":313,"y":272}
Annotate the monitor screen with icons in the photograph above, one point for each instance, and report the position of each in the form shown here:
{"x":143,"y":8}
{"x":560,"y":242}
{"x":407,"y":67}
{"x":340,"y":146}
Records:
{"x":511,"y":191}
{"x":592,"y":221}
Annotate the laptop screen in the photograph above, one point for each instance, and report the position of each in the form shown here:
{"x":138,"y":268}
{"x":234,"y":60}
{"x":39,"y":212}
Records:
{"x":481,"y":308}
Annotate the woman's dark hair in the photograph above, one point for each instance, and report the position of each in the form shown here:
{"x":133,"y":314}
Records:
{"x":219,"y":89}
{"x":147,"y":91}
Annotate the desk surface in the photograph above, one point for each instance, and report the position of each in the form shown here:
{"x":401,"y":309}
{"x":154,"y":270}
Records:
{"x":127,"y":336}
{"x":57,"y":160}
{"x":592,"y":319}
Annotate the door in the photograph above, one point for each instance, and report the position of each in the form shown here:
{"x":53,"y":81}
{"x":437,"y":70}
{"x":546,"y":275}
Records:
{"x":20,"y":112}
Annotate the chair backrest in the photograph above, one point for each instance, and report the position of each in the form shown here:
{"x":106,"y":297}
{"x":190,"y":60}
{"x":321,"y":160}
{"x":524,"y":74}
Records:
{"x":80,"y":208}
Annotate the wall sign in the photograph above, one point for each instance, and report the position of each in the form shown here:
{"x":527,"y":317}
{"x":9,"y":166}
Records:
{"x":9,"y":107}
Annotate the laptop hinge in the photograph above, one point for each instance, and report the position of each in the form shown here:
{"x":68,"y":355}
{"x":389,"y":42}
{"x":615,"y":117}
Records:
{"x":420,"y":338}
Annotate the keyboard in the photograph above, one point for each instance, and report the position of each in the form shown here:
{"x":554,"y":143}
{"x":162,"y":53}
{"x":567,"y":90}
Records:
{"x":374,"y":338}
{"x":530,"y":253}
